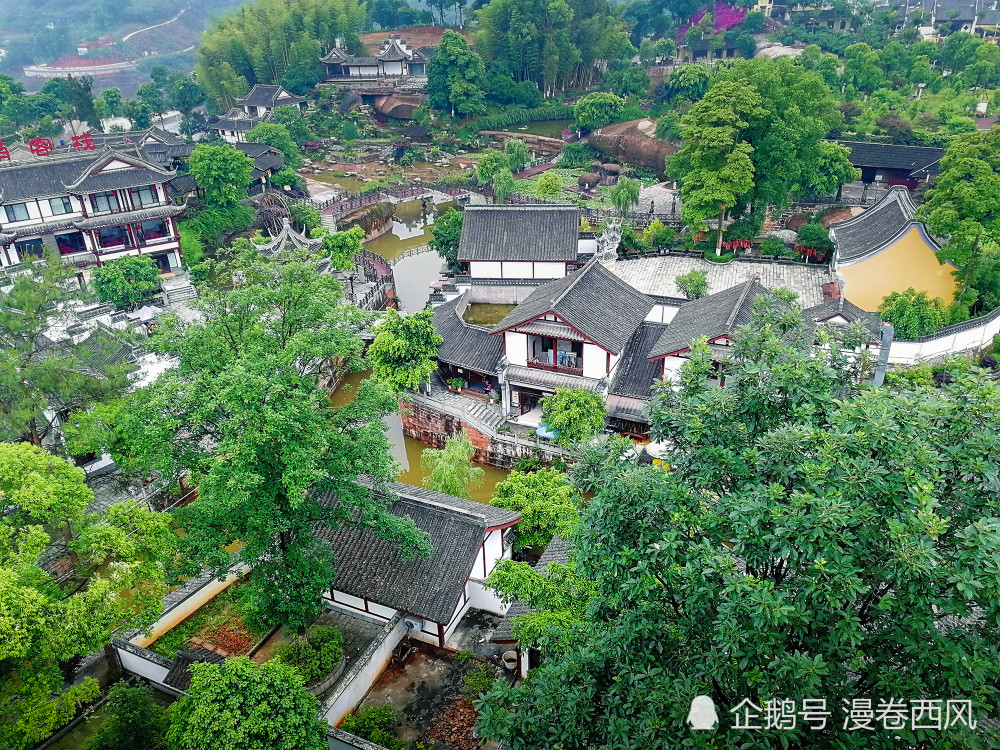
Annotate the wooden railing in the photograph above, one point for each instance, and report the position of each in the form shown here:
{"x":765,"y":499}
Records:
{"x":539,"y":365}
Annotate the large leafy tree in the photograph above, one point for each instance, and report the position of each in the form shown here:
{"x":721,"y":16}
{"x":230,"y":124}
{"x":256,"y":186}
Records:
{"x":278,"y":136}
{"x":812,"y":540}
{"x":243,"y":414}
{"x":598,"y":109}
{"x":240,"y":705}
{"x":134,"y":721}
{"x":715,"y":165}
{"x":964,"y":204}
{"x":404,"y":350}
{"x":125,"y":281}
{"x":547,"y":501}
{"x":913,"y":313}
{"x":575,"y":414}
{"x":454,"y":77}
{"x":41,"y":378}
{"x":447,"y":231}
{"x":451,"y":469}
{"x":797,"y":110}
{"x":222,"y":172}
{"x":44,"y":622}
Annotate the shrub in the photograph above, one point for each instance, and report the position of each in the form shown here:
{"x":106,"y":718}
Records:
{"x":528,"y":464}
{"x":989,"y":362}
{"x":212,"y":223}
{"x":479,"y":680}
{"x":774,"y":246}
{"x":577,"y":156}
{"x":192,"y":248}
{"x":575,"y":414}
{"x":314,"y":656}
{"x":126,"y":281}
{"x":375,"y":724}
{"x":912,"y":313}
{"x":693,"y":284}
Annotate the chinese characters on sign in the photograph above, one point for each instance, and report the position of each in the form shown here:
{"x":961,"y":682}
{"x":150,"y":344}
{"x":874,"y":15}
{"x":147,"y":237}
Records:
{"x":860,"y":714}
{"x":43,"y":146}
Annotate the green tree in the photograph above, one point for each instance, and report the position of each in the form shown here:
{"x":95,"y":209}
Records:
{"x":833,"y":171}
{"x":342,"y":247}
{"x":862,"y":68}
{"x":45,"y":622}
{"x":240,"y":705}
{"x":503,"y":185}
{"x":113,"y":101}
{"x":694,"y":284}
{"x":126,"y":281}
{"x":38,"y":381}
{"x":518,"y":156}
{"x":244,"y":413}
{"x":913,"y":313}
{"x":134,"y":721}
{"x":152,"y":96}
{"x":548,"y":185}
{"x":598,"y":109}
{"x":138,"y":113}
{"x":714,"y":166}
{"x":546,"y":500}
{"x":629,"y":81}
{"x":690,"y":82}
{"x":787,"y":553}
{"x":575,"y":414}
{"x":451,"y":468}
{"x":404,"y":350}
{"x":291,"y":117}
{"x":491,"y":162}
{"x":279,"y":137}
{"x":454,"y":77}
{"x":962,"y":203}
{"x":184,"y":95}
{"x":625,"y":195}
{"x":222,"y":172}
{"x":447,"y":231}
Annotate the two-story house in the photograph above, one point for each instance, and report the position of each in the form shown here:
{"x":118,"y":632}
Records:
{"x":568,"y":333}
{"x":91,"y":207}
{"x":253,"y":109}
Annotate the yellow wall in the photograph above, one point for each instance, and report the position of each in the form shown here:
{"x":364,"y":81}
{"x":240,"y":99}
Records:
{"x":910,"y":262}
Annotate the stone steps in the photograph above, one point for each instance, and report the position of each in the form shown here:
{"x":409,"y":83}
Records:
{"x":180,"y":294}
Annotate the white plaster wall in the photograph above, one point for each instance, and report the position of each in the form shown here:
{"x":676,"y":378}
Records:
{"x":187,"y":607}
{"x":548,"y":270}
{"x":912,"y":352}
{"x":595,"y":361}
{"x":139,"y":666}
{"x":672,"y":367}
{"x":662,"y":314}
{"x":481,"y":598}
{"x":494,"y":549}
{"x":517,"y":269}
{"x":485,"y":269}
{"x":351,"y":693}
{"x":393,"y":68}
{"x":516,"y":345}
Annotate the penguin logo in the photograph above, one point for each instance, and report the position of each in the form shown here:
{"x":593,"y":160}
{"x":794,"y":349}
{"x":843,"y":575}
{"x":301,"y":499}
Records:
{"x":702,"y":714}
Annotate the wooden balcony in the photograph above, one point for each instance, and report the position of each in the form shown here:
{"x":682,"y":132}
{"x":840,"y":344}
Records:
{"x":539,"y":365}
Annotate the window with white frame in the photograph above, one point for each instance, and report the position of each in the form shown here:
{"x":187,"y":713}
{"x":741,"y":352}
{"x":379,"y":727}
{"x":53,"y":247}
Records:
{"x":147,"y":195}
{"x":107,"y":201}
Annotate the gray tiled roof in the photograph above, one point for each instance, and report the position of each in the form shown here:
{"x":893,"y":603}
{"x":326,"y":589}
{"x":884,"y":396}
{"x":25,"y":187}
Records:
{"x":815,"y":316}
{"x":869,"y":232}
{"x":262,"y":95}
{"x":636,"y":373}
{"x":532,"y":232}
{"x":465,"y":345}
{"x":336,"y":55}
{"x":558,"y":551}
{"x":393,"y":52}
{"x":120,"y":179}
{"x":47,"y":176}
{"x":374,"y":569}
{"x":592,"y":300}
{"x":548,"y":380}
{"x":179,"y":676}
{"x":919,"y":160}
{"x":116,"y":219}
{"x":552,"y":329}
{"x":712,"y":316}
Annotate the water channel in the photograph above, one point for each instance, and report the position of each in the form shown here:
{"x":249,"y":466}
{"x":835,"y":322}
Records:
{"x":546,"y":128}
{"x":414,"y":448}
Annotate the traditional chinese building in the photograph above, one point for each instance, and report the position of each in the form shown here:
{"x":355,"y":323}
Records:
{"x":91,"y":207}
{"x":251,"y":110}
{"x":889,"y":164}
{"x":394,"y":60}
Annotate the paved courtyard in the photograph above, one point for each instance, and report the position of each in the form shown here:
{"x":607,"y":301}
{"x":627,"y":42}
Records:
{"x":655,"y":275}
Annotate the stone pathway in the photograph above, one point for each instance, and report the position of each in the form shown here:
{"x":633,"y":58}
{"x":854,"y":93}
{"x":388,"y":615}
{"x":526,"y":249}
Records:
{"x":656,"y":275}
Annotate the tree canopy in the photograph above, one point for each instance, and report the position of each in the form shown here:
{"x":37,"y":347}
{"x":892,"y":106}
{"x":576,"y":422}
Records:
{"x":404,"y":351}
{"x":598,"y":109}
{"x":244,"y":414}
{"x":222,"y":172}
{"x":813,"y":539}
{"x":134,"y":721}
{"x":37,"y":382}
{"x":46,"y":621}
{"x":446,"y":231}
{"x":547,"y":501}
{"x":913,"y":313}
{"x":240,"y":705}
{"x":455,"y":76}
{"x":126,"y":281}
{"x":575,"y":414}
{"x":451,"y":468}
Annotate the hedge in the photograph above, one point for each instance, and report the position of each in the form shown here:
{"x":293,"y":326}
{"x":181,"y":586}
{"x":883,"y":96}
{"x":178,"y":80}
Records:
{"x":520,"y":117}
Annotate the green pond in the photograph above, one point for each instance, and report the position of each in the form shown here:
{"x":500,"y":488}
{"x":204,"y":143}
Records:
{"x":414,"y":448}
{"x":481,"y":314}
{"x":546,"y":128}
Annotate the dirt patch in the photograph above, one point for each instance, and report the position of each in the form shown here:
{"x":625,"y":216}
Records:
{"x":415,"y":37}
{"x":837,"y":214}
{"x":455,"y":726}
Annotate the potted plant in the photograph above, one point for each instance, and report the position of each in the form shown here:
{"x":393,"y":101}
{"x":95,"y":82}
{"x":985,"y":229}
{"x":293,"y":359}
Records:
{"x":456,"y":384}
{"x":318,"y":657}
